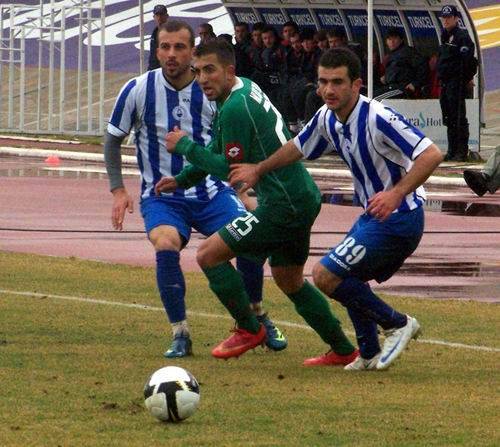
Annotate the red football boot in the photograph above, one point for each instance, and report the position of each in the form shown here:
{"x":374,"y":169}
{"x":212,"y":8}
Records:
{"x":332,"y":359}
{"x":239,"y":343}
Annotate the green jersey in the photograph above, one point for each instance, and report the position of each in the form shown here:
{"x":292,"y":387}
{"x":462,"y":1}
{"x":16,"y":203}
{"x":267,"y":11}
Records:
{"x":248,"y":129}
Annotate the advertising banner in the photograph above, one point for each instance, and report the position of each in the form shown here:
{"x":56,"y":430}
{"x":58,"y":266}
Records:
{"x":329,"y":18}
{"x":244,"y":15}
{"x":274,"y":17}
{"x":302,"y":17}
{"x":426,"y":115}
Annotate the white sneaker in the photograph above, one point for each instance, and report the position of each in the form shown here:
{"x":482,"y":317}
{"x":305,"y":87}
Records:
{"x":396,"y":341}
{"x":361,"y":364}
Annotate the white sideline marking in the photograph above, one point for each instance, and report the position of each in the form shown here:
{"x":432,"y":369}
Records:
{"x":223,"y":317}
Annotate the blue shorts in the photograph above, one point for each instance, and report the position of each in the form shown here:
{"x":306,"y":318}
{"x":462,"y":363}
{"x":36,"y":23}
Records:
{"x":374,"y":249}
{"x":205,"y":216}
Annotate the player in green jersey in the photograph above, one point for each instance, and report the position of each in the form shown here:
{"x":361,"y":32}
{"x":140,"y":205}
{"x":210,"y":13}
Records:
{"x":248,"y":128}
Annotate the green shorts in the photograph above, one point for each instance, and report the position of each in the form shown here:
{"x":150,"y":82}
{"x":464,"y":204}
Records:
{"x":259,"y":235}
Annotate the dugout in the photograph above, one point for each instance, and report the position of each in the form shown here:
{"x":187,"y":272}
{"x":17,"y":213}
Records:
{"x":419,"y":21}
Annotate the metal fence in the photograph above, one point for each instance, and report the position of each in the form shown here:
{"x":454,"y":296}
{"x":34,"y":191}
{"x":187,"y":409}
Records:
{"x":45,"y":96}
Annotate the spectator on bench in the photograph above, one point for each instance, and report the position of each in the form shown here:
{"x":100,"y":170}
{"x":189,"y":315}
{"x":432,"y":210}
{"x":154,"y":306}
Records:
{"x":289,"y":29}
{"x":337,"y":38}
{"x":257,"y":46}
{"x":321,"y":39}
{"x":271,"y":74}
{"x":242,"y":49}
{"x":406,"y":70}
{"x":206,"y":32}
{"x":301,"y":83}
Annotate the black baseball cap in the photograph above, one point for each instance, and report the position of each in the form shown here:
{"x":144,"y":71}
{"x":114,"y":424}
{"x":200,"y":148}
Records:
{"x":448,"y":11}
{"x":160,"y":10}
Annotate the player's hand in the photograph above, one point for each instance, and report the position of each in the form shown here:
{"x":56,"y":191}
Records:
{"x":243,"y":176}
{"x":382,"y":204}
{"x":410,"y":87}
{"x":121,"y":202}
{"x":166,"y":184}
{"x":173,"y":137}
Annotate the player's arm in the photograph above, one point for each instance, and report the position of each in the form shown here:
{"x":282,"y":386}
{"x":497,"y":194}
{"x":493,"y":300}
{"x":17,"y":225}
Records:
{"x":113,"y":161}
{"x":309,"y":143}
{"x":382,"y":204}
{"x":205,"y":158}
{"x":122,"y":120}
{"x":247,"y":175}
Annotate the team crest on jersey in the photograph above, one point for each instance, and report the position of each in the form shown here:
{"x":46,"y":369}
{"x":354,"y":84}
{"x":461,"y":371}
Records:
{"x":177,"y":112}
{"x":234,"y":152}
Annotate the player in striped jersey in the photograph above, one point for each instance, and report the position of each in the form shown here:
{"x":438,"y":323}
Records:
{"x":389,"y":160}
{"x":153,"y":104}
{"x":249,"y":128}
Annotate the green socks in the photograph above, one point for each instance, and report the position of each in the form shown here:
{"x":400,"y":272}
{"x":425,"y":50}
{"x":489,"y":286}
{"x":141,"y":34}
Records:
{"x":228,"y":285}
{"x":314,"y":308}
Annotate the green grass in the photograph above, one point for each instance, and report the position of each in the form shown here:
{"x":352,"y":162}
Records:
{"x":72,"y":372}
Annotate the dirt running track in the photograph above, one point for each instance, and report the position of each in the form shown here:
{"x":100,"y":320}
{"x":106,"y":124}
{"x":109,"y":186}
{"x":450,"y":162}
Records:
{"x":448,"y":265}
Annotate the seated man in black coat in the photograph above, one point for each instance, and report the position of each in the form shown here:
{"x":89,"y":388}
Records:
{"x":406,"y":70}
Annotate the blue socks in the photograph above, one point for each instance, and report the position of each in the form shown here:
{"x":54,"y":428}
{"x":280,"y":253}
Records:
{"x":253,"y":278}
{"x":358,"y":296}
{"x":366,"y":334}
{"x":171,"y":284}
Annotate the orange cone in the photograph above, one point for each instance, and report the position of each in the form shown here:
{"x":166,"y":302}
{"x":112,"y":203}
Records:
{"x":53,"y":160}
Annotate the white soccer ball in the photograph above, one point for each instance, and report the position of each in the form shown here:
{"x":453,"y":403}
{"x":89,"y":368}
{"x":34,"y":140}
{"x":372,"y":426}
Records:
{"x":172,"y":394}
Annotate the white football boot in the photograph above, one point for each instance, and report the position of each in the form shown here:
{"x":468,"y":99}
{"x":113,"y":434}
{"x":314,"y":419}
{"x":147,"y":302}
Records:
{"x":396,"y":340}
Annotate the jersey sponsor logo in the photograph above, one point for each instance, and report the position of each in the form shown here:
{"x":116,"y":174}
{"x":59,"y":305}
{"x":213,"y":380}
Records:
{"x":234,"y":152}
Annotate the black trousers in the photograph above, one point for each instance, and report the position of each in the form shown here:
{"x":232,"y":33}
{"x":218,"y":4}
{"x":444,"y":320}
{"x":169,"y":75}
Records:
{"x":452,"y":100}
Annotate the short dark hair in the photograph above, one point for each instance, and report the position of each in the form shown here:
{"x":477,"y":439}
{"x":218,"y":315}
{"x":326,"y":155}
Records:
{"x":242,"y":24}
{"x":227,"y":37}
{"x":394,"y":32}
{"x":292,"y":24}
{"x":342,"y":57}
{"x":271,"y":29}
{"x":321,"y":34}
{"x":172,"y":26}
{"x":222,"y":49}
{"x":207,"y":27}
{"x":259,"y":26}
{"x":307,"y":34}
{"x":338,"y":33}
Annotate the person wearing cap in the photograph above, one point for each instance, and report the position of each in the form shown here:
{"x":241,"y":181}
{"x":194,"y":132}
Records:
{"x":456,"y":68}
{"x":405,"y":69}
{"x":160,"y":15}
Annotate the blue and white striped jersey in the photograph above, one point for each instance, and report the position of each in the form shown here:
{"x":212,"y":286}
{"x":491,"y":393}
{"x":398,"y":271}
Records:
{"x":151,"y":106}
{"x":377,"y":143}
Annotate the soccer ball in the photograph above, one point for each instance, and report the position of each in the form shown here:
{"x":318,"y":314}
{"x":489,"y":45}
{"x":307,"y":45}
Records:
{"x":172,"y":394}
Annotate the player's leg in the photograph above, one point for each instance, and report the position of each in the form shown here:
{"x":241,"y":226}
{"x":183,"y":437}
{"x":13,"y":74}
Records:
{"x":224,"y":208}
{"x":373,"y":250}
{"x":213,"y":257}
{"x":168,"y":232}
{"x":312,"y":306}
{"x":287,"y":263}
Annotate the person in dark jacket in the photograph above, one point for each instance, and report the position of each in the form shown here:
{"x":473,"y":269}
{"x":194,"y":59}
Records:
{"x":406,"y":71}
{"x":160,"y":15}
{"x":242,"y":49}
{"x":456,"y":68}
{"x":272,"y":72}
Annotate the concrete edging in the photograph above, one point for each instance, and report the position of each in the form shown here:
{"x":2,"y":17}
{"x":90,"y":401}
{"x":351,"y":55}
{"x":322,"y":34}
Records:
{"x":131,"y":160}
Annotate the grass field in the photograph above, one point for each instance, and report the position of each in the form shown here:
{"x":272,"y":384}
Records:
{"x":72,"y":371}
